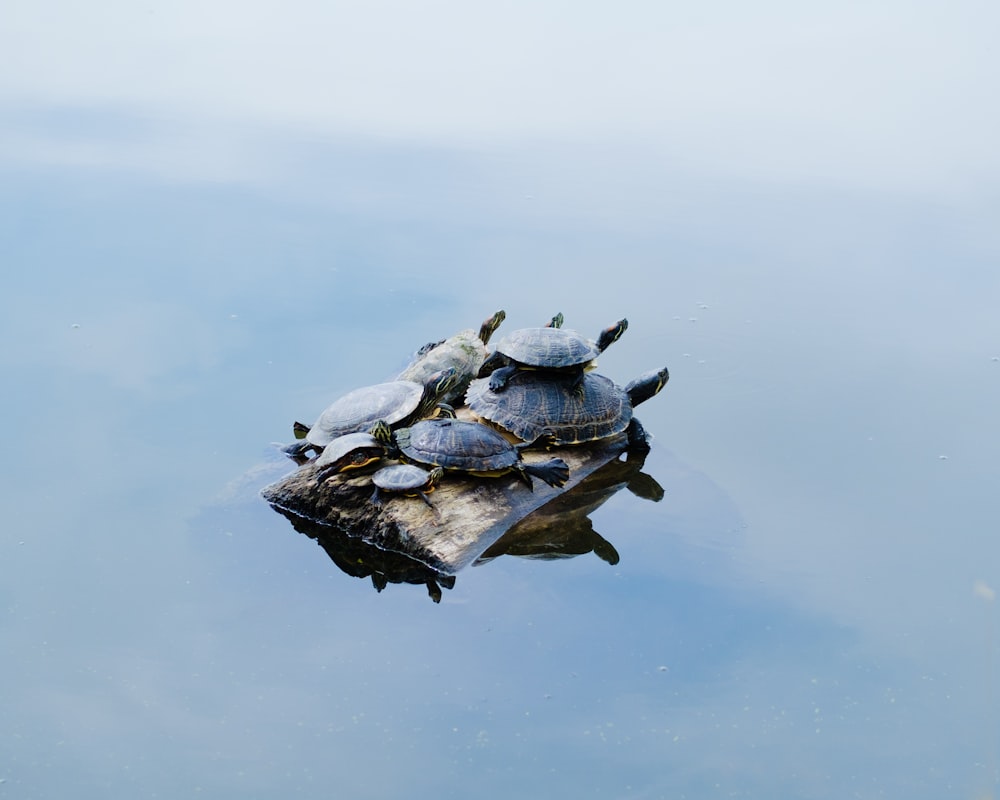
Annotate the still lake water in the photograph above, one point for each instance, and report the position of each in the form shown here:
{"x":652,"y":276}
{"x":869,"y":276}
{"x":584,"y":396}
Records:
{"x":808,"y":612}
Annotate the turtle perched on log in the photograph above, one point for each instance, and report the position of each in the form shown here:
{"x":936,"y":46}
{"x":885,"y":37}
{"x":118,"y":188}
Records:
{"x":561,"y":409}
{"x":470,"y":513}
{"x":465,"y":352}
{"x":467,"y":447}
{"x":396,"y":402}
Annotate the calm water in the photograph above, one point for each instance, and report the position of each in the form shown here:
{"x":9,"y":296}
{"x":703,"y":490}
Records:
{"x":808,"y":612}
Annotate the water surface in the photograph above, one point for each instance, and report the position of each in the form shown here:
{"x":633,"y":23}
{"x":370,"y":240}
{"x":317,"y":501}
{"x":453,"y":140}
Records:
{"x":808,"y":612}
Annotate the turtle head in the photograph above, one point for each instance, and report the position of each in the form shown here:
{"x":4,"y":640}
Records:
{"x":444,"y":411}
{"x":489,"y":326}
{"x":441,"y":382}
{"x":647,"y":385}
{"x":556,"y":321}
{"x":382,"y":434}
{"x":611,"y":335}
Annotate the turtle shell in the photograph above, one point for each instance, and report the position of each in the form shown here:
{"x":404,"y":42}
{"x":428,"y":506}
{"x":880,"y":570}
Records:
{"x":548,"y":348}
{"x":360,"y":409}
{"x":569,"y":412}
{"x":401,"y":478}
{"x":465,"y":352}
{"x":457,"y":445}
{"x":350,"y":451}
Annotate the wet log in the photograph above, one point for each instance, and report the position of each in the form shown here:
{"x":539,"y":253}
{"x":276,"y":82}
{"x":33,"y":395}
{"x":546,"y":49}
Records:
{"x":468,"y":516}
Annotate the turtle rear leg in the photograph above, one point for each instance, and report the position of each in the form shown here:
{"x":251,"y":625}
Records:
{"x":554,"y":472}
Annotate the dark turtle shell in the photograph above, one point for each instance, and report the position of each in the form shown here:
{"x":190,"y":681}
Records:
{"x":473,"y":448}
{"x":568,"y":411}
{"x":554,"y":347}
{"x":457,"y":445}
{"x":405,"y":478}
{"x":549,"y":347}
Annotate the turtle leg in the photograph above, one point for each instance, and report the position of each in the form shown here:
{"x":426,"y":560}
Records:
{"x":604,"y":550}
{"x":376,"y":498}
{"x":492,"y":362}
{"x":423,"y":496}
{"x":554,"y":472}
{"x":637,"y":438}
{"x":298,"y":449}
{"x":428,"y":347}
{"x":499,"y":378}
{"x":433,"y":590}
{"x":522,"y":473}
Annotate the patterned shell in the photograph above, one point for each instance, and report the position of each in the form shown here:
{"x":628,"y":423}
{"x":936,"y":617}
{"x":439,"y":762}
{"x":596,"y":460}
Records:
{"x":362,"y":408}
{"x":531,"y":406}
{"x":553,"y":348}
{"x":457,"y":445}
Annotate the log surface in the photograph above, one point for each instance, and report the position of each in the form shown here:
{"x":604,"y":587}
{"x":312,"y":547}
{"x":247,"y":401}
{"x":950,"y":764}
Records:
{"x":469,"y":514}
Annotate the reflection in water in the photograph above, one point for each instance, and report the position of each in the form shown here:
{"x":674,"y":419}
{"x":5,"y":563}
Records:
{"x":559,"y":529}
{"x":360,"y":558}
{"x":563,"y":529}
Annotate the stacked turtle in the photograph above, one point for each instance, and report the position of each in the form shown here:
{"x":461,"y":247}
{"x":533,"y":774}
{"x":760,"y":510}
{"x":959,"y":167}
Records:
{"x":536,"y":388}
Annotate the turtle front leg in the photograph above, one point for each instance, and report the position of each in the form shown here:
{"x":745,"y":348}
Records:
{"x":500,"y":377}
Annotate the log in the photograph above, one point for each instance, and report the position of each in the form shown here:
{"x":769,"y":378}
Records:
{"x":469,"y":514}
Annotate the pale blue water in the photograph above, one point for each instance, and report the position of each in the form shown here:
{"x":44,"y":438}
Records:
{"x":808,"y":612}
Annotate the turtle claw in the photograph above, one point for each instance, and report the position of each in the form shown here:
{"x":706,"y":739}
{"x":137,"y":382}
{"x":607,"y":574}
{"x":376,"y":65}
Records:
{"x":499,"y":378}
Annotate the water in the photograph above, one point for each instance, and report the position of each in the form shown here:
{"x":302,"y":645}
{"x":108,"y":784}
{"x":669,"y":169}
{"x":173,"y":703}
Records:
{"x":809,"y":610}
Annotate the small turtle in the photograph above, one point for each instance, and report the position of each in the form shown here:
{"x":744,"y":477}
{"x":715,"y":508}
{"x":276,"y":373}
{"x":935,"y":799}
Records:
{"x":560,"y":410}
{"x":397,"y":403}
{"x":348,"y":452}
{"x":465,"y":352}
{"x":467,"y":447}
{"x":406,"y":479}
{"x":551,"y":349}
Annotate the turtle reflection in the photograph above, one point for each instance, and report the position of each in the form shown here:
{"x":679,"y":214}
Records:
{"x":563,"y":528}
{"x":361,"y":559}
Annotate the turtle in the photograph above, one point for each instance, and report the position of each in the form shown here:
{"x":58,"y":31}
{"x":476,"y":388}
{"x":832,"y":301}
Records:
{"x":550,"y":348}
{"x":396,"y":402}
{"x":406,"y":479}
{"x":348,"y":452}
{"x":559,"y":410}
{"x":466,"y":447}
{"x":465,"y":351}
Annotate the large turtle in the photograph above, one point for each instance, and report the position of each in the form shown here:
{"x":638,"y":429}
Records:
{"x":563,"y":410}
{"x":551,"y":349}
{"x":396,"y":402}
{"x":465,"y":351}
{"x":466,"y":447}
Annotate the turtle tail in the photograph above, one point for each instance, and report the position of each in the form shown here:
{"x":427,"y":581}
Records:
{"x":554,"y":472}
